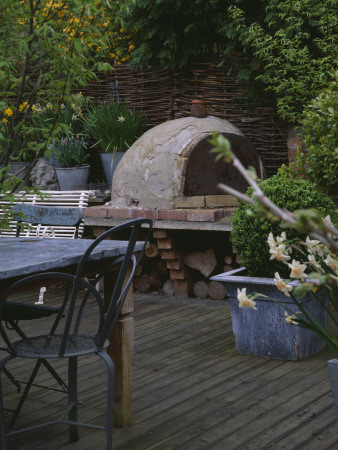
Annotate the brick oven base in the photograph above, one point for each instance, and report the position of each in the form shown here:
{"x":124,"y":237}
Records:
{"x":175,"y":239}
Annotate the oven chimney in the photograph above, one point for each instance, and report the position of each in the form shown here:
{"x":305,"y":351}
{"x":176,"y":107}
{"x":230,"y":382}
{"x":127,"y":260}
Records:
{"x":198,"y":108}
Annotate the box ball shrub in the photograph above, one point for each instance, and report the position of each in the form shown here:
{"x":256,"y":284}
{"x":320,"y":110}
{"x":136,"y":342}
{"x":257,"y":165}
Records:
{"x":250,"y":234}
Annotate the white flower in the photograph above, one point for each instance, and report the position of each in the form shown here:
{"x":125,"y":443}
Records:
{"x":331,"y":262}
{"x":314,"y":246}
{"x":314,"y":263}
{"x":121,"y":119}
{"x":278,"y":249}
{"x":244,"y":300}
{"x":281,"y":285}
{"x":271,"y":240}
{"x":282,"y":237}
{"x":278,"y":253}
{"x":297,"y":270}
{"x":290,"y":319}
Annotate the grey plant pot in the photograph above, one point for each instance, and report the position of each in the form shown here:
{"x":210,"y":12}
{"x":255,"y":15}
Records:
{"x":73,"y":178}
{"x":333,"y":370}
{"x":24,"y":167}
{"x":109,"y":162}
{"x":264,"y":332}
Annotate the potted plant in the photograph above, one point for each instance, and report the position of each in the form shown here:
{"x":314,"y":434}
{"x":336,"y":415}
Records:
{"x":22,"y":154}
{"x":265,"y":333}
{"x":114,"y":127}
{"x":322,"y":250}
{"x":71,"y":154}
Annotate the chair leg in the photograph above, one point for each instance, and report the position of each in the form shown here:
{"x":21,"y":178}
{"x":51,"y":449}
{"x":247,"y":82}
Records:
{"x":53,"y":372}
{"x":13,"y":380}
{"x":110,"y":398}
{"x":3,"y":435}
{"x":72,"y":397}
{"x":25,"y":392}
{"x":2,"y":421}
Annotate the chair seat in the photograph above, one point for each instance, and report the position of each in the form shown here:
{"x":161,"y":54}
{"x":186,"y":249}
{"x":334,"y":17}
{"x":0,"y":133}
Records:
{"x":40,"y":347}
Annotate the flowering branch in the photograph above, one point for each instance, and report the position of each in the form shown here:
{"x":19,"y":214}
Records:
{"x":307,"y":220}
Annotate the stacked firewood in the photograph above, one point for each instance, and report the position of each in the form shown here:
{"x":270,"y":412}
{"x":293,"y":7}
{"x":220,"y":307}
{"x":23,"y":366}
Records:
{"x":151,"y":273}
{"x":154,"y":274}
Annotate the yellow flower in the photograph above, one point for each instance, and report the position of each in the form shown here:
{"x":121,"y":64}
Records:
{"x":9,"y":112}
{"x":23,"y":106}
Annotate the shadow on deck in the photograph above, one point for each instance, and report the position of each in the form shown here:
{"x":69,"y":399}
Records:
{"x":192,"y":391}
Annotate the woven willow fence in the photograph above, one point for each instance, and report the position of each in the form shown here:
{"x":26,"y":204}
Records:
{"x":167,"y":95}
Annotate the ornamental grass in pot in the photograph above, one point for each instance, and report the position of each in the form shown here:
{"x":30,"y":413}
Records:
{"x":261,"y":326}
{"x":71,"y":155}
{"x":113,"y":127}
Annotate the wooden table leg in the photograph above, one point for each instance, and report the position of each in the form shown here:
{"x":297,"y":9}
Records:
{"x":121,"y":351}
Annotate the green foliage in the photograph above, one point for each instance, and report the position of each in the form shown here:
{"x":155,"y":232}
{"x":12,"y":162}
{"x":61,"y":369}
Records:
{"x":114,"y":126}
{"x":169,"y":33}
{"x":296,"y":42}
{"x":290,"y":45}
{"x":71,"y":151}
{"x":45,"y":53}
{"x":319,"y":163}
{"x":250,"y":234}
{"x":66,"y":117}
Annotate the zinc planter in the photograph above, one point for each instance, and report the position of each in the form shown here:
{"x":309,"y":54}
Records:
{"x":333,"y":370}
{"x":73,"y":178}
{"x":24,"y":167}
{"x":109,"y":162}
{"x":264,"y":332}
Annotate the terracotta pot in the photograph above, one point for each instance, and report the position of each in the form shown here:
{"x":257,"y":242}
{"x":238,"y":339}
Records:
{"x":198,"y":108}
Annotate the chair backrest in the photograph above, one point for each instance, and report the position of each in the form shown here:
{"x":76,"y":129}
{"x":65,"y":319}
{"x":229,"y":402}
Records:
{"x":73,"y":308}
{"x":67,"y":199}
{"x":48,"y":216}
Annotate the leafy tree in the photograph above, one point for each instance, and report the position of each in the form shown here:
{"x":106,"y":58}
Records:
{"x":48,"y":48}
{"x":290,"y":45}
{"x":296,"y":42}
{"x":169,"y":33}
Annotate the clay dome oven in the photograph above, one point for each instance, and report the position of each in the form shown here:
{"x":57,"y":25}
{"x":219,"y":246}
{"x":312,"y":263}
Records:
{"x":171,"y":165}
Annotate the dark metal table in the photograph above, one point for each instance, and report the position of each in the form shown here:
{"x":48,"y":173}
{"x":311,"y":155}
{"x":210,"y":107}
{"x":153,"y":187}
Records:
{"x":21,"y":257}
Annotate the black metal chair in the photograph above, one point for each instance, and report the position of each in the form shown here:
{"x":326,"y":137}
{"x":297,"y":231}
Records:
{"x":44,"y":218}
{"x":69,"y":338}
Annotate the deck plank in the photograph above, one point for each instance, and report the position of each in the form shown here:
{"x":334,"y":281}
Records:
{"x":192,"y":391}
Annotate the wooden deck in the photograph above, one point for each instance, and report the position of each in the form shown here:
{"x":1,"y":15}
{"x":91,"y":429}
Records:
{"x":191,"y":390}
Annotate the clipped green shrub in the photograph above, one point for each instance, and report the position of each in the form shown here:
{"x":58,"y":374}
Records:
{"x":320,"y":137}
{"x":250,"y":234}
